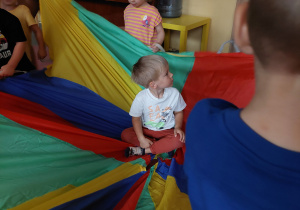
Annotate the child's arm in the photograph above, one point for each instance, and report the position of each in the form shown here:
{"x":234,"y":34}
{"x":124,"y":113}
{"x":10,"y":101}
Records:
{"x":137,"y":126}
{"x":178,"y":125}
{"x":9,"y":69}
{"x":42,"y":53}
{"x":160,"y":37}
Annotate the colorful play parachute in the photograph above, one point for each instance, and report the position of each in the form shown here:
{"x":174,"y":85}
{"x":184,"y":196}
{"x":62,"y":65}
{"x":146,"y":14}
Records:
{"x":60,"y":127}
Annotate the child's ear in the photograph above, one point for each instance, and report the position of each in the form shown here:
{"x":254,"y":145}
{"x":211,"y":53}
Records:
{"x":152,"y":85}
{"x":241,"y":33}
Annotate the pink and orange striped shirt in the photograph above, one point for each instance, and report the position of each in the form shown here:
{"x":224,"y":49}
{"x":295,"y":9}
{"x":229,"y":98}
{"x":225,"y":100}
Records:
{"x":141,"y":23}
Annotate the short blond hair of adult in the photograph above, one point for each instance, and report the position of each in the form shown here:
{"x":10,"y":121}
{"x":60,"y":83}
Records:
{"x":148,"y":69}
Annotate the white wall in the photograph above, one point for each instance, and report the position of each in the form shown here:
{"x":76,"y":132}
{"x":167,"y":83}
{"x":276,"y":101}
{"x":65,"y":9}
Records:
{"x":220,"y":11}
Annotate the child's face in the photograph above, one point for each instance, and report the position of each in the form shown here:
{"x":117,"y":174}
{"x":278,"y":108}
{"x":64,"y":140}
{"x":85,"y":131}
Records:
{"x":165,"y":78}
{"x":8,"y":2}
{"x":137,"y":3}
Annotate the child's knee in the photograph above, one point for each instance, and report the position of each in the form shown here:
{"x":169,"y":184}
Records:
{"x":126,"y":134}
{"x":181,"y":144}
{"x":122,"y":136}
{"x":178,"y":142}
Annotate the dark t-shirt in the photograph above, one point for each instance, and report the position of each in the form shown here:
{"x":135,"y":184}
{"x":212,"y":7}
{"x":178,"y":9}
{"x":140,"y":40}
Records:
{"x":11,"y":32}
{"x":229,"y":166}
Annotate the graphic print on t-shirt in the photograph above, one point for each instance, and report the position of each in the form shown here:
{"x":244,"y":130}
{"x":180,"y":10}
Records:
{"x":4,"y":53}
{"x":157,"y":117}
{"x":146,"y":21}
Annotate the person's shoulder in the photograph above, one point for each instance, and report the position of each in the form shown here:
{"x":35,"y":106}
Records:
{"x":8,"y":16}
{"x":214,"y":104}
{"x":209,"y":107}
{"x":140,"y":98}
{"x":208,"y":116}
{"x":22,"y":6}
{"x":3,"y":12}
{"x":142,"y":93}
{"x":129,"y":6}
{"x":21,"y":12}
{"x":152,"y":8}
{"x":171,"y":89}
{"x":24,"y":9}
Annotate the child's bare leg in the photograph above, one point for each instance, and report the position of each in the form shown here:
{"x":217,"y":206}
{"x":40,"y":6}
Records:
{"x":147,"y":150}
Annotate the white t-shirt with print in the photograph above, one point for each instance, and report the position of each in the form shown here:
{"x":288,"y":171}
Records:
{"x":157,"y":113}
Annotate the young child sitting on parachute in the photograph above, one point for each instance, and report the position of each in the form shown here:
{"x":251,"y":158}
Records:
{"x":157,"y":111}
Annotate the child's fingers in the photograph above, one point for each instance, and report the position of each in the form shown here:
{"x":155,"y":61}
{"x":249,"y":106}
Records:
{"x":155,"y":50}
{"x":150,"y":142}
{"x":182,"y":137}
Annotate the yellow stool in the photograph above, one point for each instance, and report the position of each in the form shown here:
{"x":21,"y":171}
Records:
{"x":184,"y":23}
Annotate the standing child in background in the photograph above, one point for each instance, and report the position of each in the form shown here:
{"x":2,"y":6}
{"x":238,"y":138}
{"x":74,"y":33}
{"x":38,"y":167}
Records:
{"x":156,"y":111}
{"x":144,"y":22}
{"x":28,"y":24}
{"x":12,"y":46}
